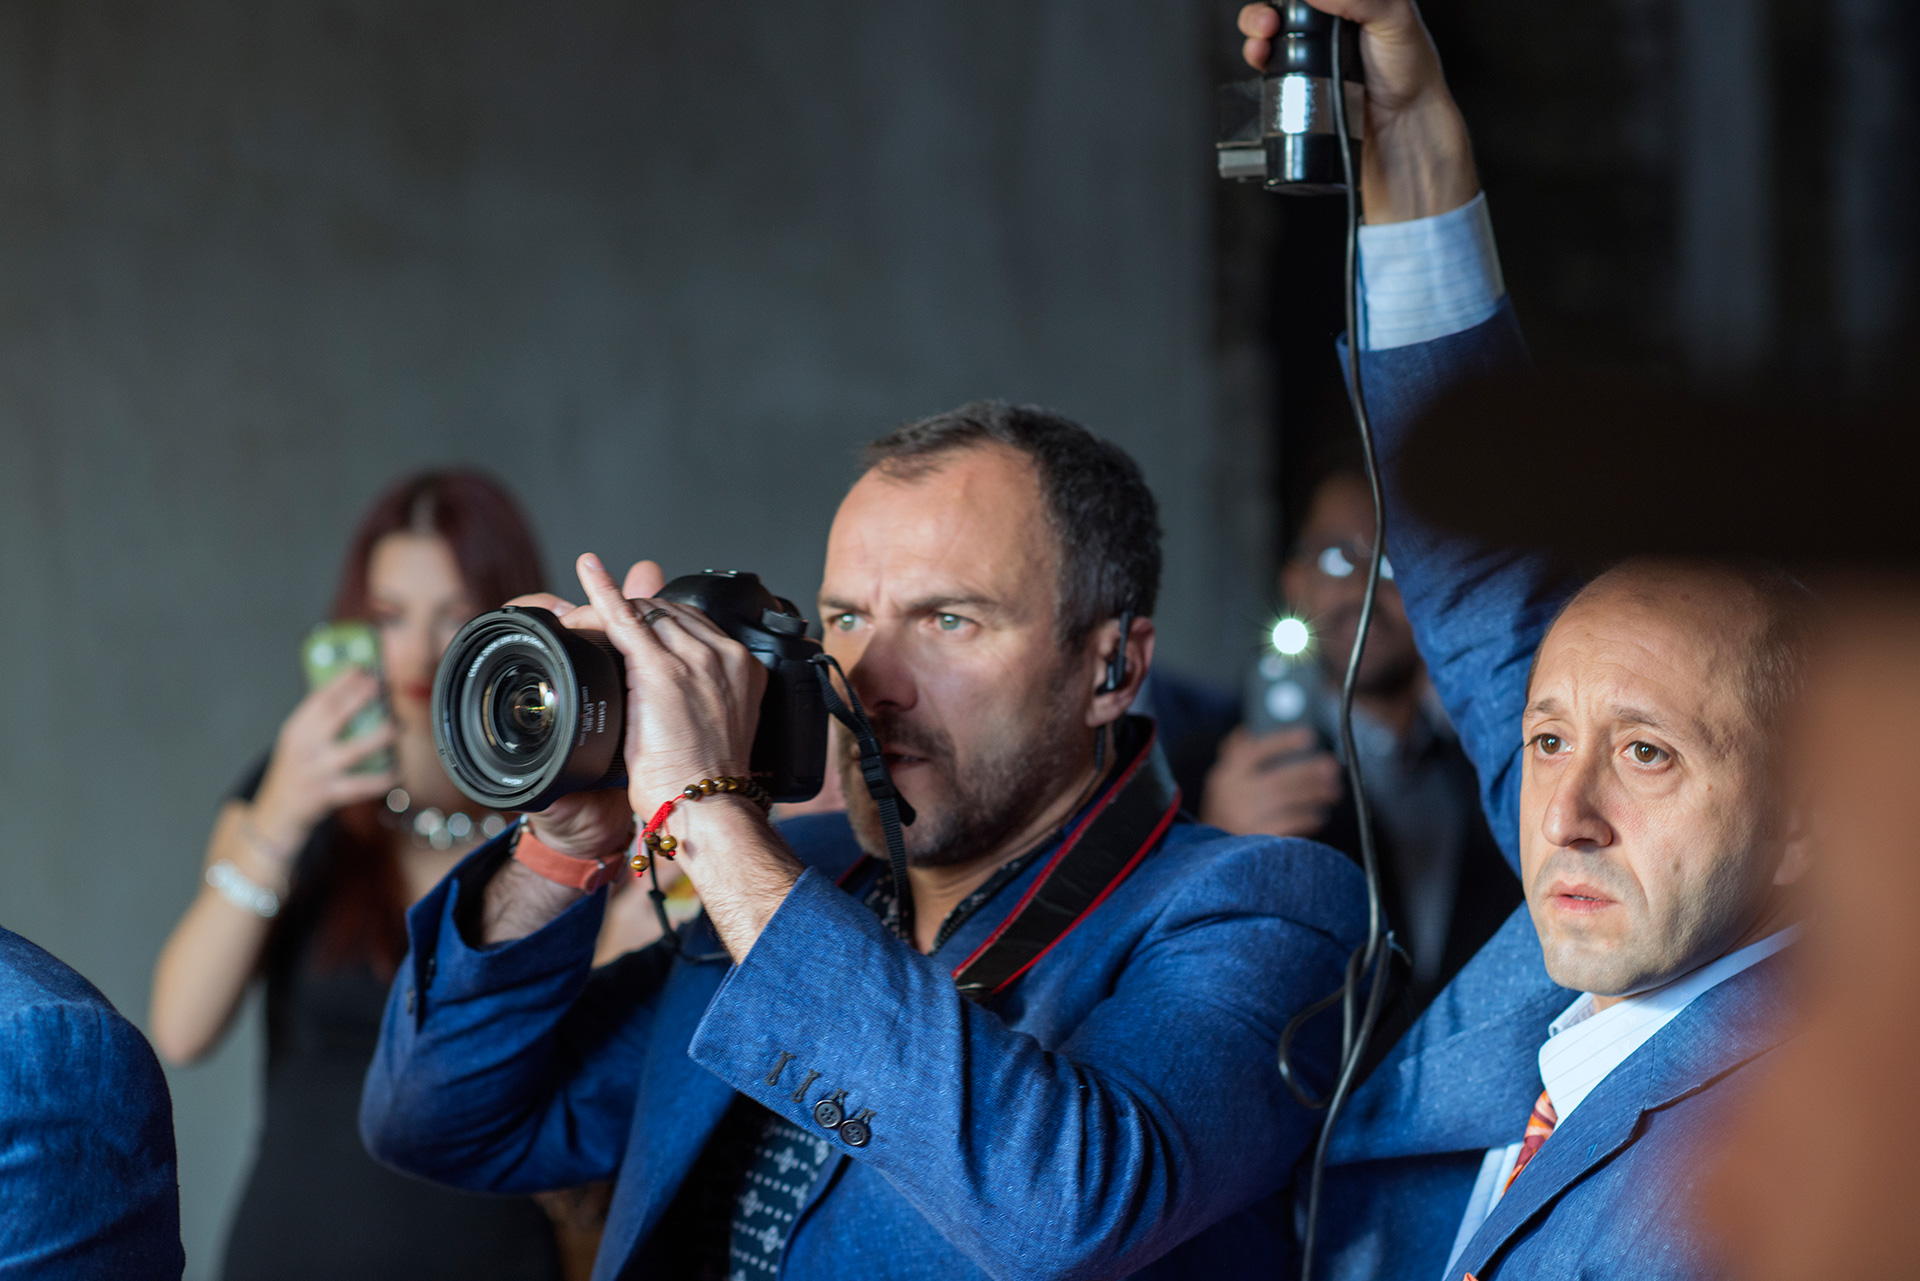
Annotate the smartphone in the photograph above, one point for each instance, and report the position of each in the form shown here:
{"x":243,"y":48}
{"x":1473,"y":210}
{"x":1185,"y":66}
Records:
{"x":332,"y":648}
{"x":1280,"y":692}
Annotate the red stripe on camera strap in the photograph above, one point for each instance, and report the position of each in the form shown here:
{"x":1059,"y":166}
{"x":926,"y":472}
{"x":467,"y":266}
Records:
{"x":1120,"y":828}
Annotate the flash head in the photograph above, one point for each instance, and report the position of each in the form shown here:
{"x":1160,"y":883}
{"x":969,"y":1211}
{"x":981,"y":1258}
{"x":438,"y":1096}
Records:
{"x":1279,"y":130}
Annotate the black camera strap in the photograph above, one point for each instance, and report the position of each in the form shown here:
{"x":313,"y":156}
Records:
{"x":1120,"y":827}
{"x":895,"y":812}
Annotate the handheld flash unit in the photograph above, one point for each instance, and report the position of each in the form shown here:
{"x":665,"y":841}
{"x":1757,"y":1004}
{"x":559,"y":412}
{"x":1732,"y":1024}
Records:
{"x":1279,"y":130}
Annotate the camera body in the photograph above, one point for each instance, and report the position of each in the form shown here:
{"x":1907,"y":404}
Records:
{"x":1279,"y":130}
{"x":526,"y":711}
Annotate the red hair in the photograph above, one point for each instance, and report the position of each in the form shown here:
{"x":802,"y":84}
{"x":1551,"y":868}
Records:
{"x":364,"y":901}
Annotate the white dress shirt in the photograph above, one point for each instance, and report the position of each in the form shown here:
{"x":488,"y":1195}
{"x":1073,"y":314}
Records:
{"x":1428,"y":278}
{"x":1584,"y":1044}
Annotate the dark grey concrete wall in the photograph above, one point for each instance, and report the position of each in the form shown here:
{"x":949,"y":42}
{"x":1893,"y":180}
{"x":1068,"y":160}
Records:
{"x":661,"y":264}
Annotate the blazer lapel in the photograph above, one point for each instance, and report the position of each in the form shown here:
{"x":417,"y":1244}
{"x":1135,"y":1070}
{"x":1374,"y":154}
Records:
{"x":676,"y":1109}
{"x":1466,"y":1073}
{"x":1720,"y":1031}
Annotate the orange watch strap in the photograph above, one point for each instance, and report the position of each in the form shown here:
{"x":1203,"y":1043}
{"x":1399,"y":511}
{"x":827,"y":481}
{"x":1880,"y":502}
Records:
{"x":587,"y":874}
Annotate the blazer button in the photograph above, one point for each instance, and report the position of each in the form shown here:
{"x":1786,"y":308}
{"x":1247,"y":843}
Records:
{"x":829,"y":1113}
{"x":431,"y":966}
{"x":854,"y":1131}
{"x":409,"y":1000}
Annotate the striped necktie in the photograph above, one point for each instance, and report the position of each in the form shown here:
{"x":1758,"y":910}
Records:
{"x":1539,"y":1126}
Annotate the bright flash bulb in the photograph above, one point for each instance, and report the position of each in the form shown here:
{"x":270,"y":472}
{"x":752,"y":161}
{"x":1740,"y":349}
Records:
{"x":1290,"y":636}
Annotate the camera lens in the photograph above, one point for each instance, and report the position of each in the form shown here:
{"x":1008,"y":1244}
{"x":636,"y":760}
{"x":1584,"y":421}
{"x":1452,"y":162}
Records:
{"x":517,"y":710}
{"x":525,"y":711}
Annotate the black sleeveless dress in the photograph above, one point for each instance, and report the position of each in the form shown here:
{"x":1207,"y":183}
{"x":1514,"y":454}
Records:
{"x":316,"y":1205}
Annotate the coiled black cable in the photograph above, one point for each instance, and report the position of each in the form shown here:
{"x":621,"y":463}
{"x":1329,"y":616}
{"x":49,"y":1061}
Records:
{"x":1370,"y":963}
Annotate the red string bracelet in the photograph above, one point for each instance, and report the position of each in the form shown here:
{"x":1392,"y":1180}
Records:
{"x":656,"y":841}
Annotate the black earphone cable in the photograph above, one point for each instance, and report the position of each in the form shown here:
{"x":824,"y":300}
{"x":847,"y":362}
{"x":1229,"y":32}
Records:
{"x":1374,"y":957}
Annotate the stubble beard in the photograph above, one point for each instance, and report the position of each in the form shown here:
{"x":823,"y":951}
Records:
{"x":978,"y":807}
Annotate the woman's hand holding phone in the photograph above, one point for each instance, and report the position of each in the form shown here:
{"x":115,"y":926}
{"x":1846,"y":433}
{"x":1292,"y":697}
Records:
{"x":313,"y":770}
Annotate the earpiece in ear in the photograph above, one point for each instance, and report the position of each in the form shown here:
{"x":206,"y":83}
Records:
{"x":1117,"y":665}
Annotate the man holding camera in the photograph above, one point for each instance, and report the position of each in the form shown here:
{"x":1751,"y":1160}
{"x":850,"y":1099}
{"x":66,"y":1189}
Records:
{"x":1549,"y":1114}
{"x":1049,"y":1053}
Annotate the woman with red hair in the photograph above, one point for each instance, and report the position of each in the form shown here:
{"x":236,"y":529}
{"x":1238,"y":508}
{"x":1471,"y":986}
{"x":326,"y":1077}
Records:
{"x":310,"y":868}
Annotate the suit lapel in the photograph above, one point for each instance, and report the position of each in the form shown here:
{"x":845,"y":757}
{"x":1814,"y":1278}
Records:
{"x":676,"y":1109}
{"x":1468,"y":1067}
{"x":1724,"y":1028}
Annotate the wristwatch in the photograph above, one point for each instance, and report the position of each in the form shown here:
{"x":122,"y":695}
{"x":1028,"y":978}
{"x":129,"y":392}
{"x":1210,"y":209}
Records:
{"x":570,"y":870}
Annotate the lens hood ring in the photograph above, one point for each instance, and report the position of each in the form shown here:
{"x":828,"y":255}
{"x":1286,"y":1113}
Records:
{"x":526,"y":710}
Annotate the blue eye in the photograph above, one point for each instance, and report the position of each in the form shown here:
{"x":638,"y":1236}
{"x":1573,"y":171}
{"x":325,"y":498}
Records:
{"x":949,"y":622}
{"x":843,"y":622}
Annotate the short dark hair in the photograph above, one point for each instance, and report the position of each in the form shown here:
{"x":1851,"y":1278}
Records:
{"x":1105,"y":522}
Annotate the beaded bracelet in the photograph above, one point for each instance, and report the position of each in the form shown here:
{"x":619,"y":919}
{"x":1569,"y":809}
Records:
{"x":655,"y":841}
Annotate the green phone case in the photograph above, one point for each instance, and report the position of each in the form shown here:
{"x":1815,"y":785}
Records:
{"x":332,"y":648}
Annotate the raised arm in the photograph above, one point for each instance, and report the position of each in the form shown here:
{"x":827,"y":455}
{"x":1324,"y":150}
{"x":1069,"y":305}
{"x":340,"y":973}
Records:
{"x":1434,"y":313}
{"x":1478,"y":613}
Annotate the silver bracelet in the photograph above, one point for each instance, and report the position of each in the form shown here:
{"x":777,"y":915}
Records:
{"x":233,"y":885}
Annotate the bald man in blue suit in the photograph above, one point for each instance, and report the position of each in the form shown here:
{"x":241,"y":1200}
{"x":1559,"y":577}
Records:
{"x":87,"y":1180}
{"x":1551,"y":1112}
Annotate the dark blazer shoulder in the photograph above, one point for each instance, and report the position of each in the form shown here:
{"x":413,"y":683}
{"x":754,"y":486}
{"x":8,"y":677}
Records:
{"x":1200,"y":871}
{"x":86,"y":1124}
{"x":65,"y":1018}
{"x":31,"y":978}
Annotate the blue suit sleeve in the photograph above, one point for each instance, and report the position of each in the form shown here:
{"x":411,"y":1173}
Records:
{"x":88,"y":1185}
{"x":1478,"y":612}
{"x":1160,"y":1114}
{"x":508,"y":1069}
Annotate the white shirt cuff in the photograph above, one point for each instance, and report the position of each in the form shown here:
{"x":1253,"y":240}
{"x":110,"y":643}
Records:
{"x":1428,"y":278}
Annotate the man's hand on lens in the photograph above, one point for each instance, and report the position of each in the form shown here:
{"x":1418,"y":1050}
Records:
{"x":693,"y":704}
{"x":1418,"y":161}
{"x":1272,"y":785}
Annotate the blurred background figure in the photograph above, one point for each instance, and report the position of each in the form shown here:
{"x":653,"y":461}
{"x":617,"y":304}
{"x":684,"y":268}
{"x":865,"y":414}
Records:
{"x":1822,"y":1176}
{"x":1447,"y":887}
{"x":312,"y":864}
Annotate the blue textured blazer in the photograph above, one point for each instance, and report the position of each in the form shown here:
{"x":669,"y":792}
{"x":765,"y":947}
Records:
{"x":1608,"y":1195}
{"x":87,"y":1180}
{"x":1116,"y":1112}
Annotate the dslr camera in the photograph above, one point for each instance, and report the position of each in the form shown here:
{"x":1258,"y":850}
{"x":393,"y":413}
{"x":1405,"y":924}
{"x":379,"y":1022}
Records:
{"x":526,"y":711}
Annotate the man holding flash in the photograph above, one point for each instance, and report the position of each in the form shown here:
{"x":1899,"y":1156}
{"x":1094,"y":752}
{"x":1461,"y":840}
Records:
{"x":843,"y":1100}
{"x":1548,"y":1114}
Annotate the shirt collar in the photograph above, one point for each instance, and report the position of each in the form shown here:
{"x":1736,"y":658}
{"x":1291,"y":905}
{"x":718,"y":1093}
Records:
{"x":881,"y":898}
{"x":1585,"y":1043}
